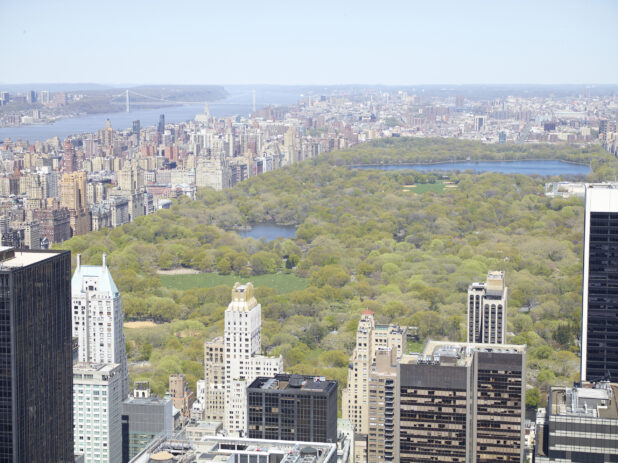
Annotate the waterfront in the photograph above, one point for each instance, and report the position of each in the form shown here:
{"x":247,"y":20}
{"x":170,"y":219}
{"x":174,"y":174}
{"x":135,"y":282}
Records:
{"x":527,"y":167}
{"x":238,"y":102}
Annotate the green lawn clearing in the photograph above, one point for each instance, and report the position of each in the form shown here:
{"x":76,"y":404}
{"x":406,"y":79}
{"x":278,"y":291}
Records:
{"x":281,"y":282}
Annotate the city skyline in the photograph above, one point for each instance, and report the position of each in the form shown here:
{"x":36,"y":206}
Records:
{"x":402,"y":43}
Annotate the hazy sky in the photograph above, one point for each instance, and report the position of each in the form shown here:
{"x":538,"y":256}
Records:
{"x":309,"y":42}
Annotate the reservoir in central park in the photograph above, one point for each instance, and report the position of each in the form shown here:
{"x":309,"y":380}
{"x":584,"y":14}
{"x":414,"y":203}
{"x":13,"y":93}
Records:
{"x":527,"y":167}
{"x":268,"y":231}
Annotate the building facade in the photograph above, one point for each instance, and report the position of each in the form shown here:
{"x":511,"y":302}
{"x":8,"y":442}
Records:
{"x":97,"y":318}
{"x":182,"y":397}
{"x":233,"y":362}
{"x":369,"y":338}
{"x":214,"y":380}
{"x":97,"y":404}
{"x":292,"y":407}
{"x":35,"y":335}
{"x":600,"y":293}
{"x":383,"y":429}
{"x":580,"y":425}
{"x":243,"y":362}
{"x":462,"y":403}
{"x":144,"y":417}
{"x":487,"y":310}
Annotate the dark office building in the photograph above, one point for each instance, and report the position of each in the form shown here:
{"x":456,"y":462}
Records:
{"x":161,"y":125}
{"x":462,"y":403}
{"x":600,"y":284}
{"x":580,"y":425}
{"x":293,"y":407}
{"x":136,"y":128}
{"x":36,"y":375}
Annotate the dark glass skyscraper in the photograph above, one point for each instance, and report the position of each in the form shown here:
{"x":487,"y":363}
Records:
{"x":36,"y":388}
{"x":293,"y":407}
{"x":600,"y":285}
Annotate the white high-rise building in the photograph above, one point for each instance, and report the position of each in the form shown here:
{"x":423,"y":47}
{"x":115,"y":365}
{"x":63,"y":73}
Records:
{"x":97,"y":412}
{"x":487,"y":310}
{"x":243,"y":362}
{"x":97,"y":318}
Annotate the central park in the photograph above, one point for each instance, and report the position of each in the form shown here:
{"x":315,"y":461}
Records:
{"x":402,"y":243}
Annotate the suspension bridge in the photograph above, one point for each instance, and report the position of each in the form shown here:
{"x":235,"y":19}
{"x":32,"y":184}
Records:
{"x":158,"y":101}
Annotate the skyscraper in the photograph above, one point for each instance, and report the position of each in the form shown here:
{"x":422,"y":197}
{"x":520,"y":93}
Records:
{"x":369,"y":338}
{"x":243,"y":362}
{"x":462,"y":403}
{"x":68,"y":157}
{"x":161,"y":125}
{"x":73,"y":191}
{"x":487,"y":310}
{"x":214,"y":380}
{"x":97,"y":318}
{"x":292,"y":407}
{"x":600,"y":284}
{"x":382,"y":444}
{"x":36,"y":393}
{"x":136,"y":129}
{"x":97,"y":416}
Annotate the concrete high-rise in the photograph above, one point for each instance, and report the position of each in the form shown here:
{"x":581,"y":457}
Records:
{"x":487,"y":310}
{"x":243,"y":362}
{"x":73,"y":191}
{"x":36,"y":393}
{"x":97,"y":416}
{"x":599,"y":351}
{"x":462,"y":403}
{"x":182,"y":397}
{"x":382,"y":445}
{"x":97,"y":318}
{"x":214,"y":380}
{"x":369,"y":338}
{"x":68,"y":157}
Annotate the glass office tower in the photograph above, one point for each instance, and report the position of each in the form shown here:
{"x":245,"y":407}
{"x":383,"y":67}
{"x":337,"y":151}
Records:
{"x":36,"y":388}
{"x":600,"y":285}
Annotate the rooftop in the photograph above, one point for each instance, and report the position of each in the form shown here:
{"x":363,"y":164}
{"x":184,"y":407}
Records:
{"x":212,"y":449}
{"x":293,"y":382}
{"x":14,"y":259}
{"x":152,"y":400}
{"x":593,"y":400}
{"x":105,"y":282}
{"x":458,"y":353}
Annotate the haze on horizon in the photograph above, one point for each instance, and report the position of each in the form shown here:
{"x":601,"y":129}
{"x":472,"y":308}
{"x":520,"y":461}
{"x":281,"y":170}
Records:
{"x":323,"y":43}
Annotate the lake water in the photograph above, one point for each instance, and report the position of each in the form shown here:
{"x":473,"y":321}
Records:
{"x":239,"y":102}
{"x":545,"y":168}
{"x":270,"y":231}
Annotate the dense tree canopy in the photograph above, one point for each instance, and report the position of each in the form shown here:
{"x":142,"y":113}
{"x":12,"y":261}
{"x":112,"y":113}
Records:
{"x":363,"y":241}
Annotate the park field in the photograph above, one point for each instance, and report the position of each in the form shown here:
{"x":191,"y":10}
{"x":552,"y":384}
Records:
{"x":281,"y":282}
{"x":422,"y":188}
